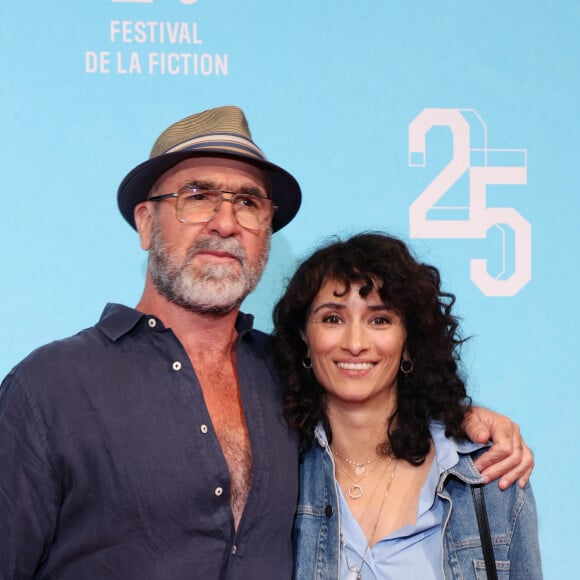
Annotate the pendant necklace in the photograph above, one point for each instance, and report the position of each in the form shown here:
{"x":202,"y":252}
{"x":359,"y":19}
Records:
{"x":355,"y":573}
{"x":356,"y":490}
{"x":359,"y":468}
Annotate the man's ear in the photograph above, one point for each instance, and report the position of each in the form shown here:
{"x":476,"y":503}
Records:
{"x":144,"y":221}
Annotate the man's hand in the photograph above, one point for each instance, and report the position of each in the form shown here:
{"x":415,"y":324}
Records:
{"x":509,"y":457}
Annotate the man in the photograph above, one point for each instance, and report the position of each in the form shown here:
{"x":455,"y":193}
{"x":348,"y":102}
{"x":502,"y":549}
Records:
{"x":152,"y":445}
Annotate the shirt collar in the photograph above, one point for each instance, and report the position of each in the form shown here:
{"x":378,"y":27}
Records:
{"x":447,"y":451}
{"x":244,"y":322}
{"x":447,"y":455}
{"x":118,"y":320}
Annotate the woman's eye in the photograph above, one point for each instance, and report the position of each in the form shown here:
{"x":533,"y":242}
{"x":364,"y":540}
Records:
{"x":380,"y":320}
{"x":331,"y":319}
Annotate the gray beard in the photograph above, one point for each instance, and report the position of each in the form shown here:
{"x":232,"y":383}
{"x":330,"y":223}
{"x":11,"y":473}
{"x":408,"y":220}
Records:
{"x":212,"y":288}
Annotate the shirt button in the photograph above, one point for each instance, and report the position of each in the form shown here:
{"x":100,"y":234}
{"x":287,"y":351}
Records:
{"x":328,"y":511}
{"x":234,"y":549}
{"x":218,"y":491}
{"x":203,"y":429}
{"x":176,"y":366}
{"x":152,"y":322}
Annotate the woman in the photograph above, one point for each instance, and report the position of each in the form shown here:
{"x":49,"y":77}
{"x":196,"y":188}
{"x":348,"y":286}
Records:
{"x":369,"y":346}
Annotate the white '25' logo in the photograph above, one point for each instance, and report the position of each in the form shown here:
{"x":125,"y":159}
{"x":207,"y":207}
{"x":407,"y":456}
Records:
{"x":480,"y":217}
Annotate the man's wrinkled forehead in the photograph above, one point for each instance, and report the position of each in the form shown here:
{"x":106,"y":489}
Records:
{"x":215,"y":171}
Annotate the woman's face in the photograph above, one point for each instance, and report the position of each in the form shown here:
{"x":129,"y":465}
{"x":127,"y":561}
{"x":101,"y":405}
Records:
{"x":355,"y":344}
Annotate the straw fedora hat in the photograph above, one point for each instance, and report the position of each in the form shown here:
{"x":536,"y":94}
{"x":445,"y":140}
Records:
{"x":223,"y":132}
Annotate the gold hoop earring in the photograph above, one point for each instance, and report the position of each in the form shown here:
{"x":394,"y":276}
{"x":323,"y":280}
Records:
{"x":407,"y":367}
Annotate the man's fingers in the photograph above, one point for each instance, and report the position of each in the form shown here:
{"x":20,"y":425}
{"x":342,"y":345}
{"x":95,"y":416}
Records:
{"x":509,"y":459}
{"x":506,"y":451}
{"x":521,"y":473}
{"x":512,"y":463}
{"x":498,"y":460}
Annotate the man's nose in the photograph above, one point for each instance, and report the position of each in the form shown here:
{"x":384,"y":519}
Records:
{"x":224,"y":222}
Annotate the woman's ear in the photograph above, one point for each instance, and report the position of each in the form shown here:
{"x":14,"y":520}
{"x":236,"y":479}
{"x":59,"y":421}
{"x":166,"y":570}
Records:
{"x":406,"y":355}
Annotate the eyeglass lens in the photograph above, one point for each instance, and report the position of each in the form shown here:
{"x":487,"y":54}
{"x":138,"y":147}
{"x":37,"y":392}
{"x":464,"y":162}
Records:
{"x":251,"y":211}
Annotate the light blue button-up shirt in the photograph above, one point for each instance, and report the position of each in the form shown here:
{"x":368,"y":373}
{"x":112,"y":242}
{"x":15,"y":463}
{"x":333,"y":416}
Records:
{"x":413,"y":548}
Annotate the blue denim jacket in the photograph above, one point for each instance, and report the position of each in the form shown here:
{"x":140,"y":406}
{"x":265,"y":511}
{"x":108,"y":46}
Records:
{"x":511,"y":513}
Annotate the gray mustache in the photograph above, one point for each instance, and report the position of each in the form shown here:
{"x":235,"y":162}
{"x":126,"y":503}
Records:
{"x":229,"y":245}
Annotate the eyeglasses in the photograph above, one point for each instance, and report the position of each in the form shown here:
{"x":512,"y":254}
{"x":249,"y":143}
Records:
{"x":195,"y":206}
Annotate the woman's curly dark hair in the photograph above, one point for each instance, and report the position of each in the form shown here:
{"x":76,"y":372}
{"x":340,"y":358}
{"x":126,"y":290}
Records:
{"x":432,"y":391}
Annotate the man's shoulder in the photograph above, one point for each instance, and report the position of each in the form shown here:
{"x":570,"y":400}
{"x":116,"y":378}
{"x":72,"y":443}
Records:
{"x":63,"y":355}
{"x":65,"y":351}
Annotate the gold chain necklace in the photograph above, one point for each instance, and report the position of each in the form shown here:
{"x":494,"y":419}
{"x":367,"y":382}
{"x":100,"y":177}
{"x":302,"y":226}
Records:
{"x":353,"y":572}
{"x":360,"y":468}
{"x":355,"y":489}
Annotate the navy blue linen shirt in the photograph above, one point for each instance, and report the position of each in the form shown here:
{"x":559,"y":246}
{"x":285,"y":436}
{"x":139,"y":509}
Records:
{"x":110,"y":466}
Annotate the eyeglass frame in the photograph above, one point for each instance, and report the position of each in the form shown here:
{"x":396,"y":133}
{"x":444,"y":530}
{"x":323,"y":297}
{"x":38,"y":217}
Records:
{"x":217,"y":208}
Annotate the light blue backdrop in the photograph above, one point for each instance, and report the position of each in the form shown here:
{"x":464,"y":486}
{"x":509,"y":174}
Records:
{"x":330,"y":89}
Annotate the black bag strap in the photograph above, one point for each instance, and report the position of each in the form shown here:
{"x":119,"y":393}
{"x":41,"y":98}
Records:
{"x":484,"y":533}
